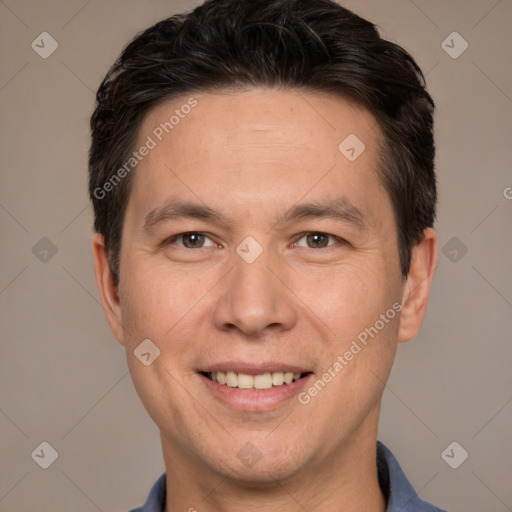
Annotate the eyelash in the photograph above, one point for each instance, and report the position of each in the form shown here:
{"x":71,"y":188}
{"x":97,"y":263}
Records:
{"x":173,"y":239}
{"x":338,"y":240}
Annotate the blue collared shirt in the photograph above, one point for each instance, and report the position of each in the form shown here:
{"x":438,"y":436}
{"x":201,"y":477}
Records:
{"x":399,"y":493}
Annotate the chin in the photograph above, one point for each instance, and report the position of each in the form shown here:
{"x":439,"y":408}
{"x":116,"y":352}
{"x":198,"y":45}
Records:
{"x":263,"y":473}
{"x":253,"y":466}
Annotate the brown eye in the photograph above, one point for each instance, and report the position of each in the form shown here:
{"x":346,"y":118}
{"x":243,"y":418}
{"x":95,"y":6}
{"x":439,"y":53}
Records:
{"x":317,"y":240}
{"x":193,"y":240}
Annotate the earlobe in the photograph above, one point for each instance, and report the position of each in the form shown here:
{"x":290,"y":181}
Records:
{"x":417,"y":286}
{"x":107,"y":287}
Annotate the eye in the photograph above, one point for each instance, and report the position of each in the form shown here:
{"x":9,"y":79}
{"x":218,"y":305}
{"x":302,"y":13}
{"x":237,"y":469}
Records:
{"x":317,"y":240}
{"x":191,"y":240}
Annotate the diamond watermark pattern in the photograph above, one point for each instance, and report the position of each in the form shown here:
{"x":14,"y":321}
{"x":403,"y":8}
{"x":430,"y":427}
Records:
{"x":454,"y":250}
{"x":44,"y":250}
{"x":44,"y":45}
{"x":249,"y":249}
{"x":249,"y":455}
{"x":454,"y":455}
{"x":351,"y":147}
{"x":146,"y":352}
{"x":45,"y":455}
{"x":454,"y":45}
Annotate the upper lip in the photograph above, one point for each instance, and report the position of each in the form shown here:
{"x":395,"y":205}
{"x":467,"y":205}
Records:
{"x":253,"y":368}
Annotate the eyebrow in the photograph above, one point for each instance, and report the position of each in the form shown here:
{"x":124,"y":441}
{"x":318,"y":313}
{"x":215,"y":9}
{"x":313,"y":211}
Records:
{"x":338,"y":209}
{"x":174,"y":209}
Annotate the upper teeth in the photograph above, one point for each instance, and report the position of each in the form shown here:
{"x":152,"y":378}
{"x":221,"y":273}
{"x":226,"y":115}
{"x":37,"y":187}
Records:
{"x":261,"y":381}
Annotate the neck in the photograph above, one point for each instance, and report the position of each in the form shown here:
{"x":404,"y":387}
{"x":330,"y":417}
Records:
{"x":344,"y":481}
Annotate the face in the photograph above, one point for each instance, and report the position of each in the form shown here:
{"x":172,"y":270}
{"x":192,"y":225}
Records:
{"x":255,"y":251}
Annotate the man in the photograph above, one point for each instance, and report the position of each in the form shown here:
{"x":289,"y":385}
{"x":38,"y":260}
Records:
{"x":263,"y":186}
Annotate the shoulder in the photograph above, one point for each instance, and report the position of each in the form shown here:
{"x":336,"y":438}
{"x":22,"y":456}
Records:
{"x":156,"y":498}
{"x":401,"y":495}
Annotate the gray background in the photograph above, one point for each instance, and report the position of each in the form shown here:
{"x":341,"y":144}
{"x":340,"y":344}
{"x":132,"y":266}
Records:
{"x":64,"y":378}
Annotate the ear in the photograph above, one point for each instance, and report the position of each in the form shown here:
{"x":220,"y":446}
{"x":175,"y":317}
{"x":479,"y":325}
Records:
{"x":107,"y":287}
{"x":417,"y":286}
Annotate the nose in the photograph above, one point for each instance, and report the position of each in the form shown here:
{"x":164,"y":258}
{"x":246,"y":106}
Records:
{"x":254,"y":298}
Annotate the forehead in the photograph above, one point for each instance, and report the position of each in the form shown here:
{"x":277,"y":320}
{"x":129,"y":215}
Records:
{"x":258,"y":148}
{"x":292,"y":118}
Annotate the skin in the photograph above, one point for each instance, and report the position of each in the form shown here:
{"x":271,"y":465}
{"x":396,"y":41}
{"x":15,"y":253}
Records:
{"x":251,"y":156}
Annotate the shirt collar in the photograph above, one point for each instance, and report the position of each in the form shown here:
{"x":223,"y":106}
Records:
{"x":396,"y":488}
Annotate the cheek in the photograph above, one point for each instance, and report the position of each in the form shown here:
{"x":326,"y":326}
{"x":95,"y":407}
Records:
{"x":350,"y":297}
{"x":160,"y":308}
{"x":156,"y":302}
{"x":360,"y":303}
{"x":356,"y":305}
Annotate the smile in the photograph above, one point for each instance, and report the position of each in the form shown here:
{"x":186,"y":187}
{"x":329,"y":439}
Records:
{"x":247,"y":382}
{"x":251,"y":387}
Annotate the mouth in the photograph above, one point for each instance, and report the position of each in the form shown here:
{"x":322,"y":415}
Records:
{"x":258,"y":382}
{"x":254,"y":388}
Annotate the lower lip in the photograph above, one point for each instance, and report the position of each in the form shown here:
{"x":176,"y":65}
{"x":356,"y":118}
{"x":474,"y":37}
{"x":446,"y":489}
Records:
{"x":255,"y":400}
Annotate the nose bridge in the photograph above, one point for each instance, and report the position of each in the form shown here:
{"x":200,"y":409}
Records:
{"x":253,"y":283}
{"x":253,"y":298}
